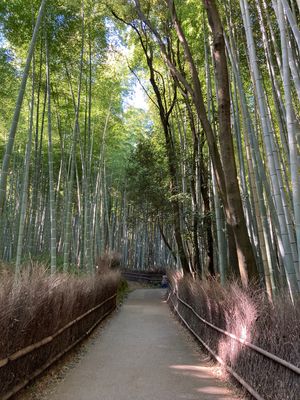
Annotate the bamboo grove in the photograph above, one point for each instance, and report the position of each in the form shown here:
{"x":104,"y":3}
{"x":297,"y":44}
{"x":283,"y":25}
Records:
{"x":206,"y":179}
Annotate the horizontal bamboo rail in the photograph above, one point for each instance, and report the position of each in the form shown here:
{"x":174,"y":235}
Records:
{"x":265,"y":353}
{"x":219,"y":359}
{"x":245,"y":342}
{"x":143,"y":276}
{"x":43,"y":342}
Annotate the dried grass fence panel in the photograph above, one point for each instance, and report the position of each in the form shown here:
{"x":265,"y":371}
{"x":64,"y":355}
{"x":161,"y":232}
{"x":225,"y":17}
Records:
{"x":263,"y":374}
{"x":17,"y":370}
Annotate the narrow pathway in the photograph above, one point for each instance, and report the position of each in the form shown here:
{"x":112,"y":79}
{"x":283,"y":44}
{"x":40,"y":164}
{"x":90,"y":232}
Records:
{"x":141,"y":355}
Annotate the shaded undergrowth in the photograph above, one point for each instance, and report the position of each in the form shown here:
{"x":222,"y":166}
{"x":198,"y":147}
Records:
{"x":249,"y":315}
{"x":37,"y":306}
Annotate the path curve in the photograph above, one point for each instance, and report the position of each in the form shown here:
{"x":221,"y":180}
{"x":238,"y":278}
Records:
{"x":142,"y":355}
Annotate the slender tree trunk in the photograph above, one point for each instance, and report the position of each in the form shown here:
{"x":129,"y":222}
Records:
{"x":52,"y":203}
{"x":68,"y":223}
{"x":292,"y":21}
{"x":234,"y":215}
{"x":24,"y":195}
{"x":268,"y":136}
{"x":247,"y":264}
{"x":291,"y":128}
{"x":168,"y":245}
{"x":14,"y":126}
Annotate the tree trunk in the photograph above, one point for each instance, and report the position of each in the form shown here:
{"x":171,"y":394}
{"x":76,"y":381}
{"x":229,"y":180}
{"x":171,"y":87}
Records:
{"x":52,"y":204}
{"x":14,"y":125}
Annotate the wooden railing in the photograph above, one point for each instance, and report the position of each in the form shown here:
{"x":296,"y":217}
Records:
{"x":143,"y":276}
{"x":175,"y":300}
{"x":75,"y":336}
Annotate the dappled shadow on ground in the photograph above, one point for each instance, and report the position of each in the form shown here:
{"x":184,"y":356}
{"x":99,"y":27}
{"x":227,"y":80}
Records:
{"x":202,"y":382}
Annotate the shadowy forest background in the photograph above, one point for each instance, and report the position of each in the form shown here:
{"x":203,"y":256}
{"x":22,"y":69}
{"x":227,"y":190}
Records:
{"x":156,"y":134}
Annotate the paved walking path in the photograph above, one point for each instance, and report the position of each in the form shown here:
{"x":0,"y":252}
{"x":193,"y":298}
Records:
{"x":142,"y":355}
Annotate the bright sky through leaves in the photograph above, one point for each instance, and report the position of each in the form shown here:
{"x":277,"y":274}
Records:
{"x":137,"y":98}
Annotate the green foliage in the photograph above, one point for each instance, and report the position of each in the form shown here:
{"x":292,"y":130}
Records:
{"x":147,"y":175}
{"x":8,"y":86}
{"x":119,"y":152}
{"x":123,"y":290}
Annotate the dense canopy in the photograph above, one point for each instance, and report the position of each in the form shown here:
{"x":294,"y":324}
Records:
{"x":164,"y":131}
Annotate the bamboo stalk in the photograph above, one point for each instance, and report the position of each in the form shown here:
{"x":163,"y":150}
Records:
{"x":15,"y":121}
{"x":52,"y":203}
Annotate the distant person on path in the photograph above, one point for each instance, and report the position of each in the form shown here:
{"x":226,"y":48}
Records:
{"x":164,"y":282}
